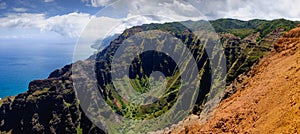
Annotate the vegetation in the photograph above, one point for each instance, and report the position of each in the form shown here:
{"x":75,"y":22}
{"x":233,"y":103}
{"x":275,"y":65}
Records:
{"x":244,"y":28}
{"x":53,"y":106}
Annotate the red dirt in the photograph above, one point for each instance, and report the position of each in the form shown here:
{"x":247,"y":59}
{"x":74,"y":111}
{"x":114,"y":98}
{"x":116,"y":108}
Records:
{"x":269,"y":102}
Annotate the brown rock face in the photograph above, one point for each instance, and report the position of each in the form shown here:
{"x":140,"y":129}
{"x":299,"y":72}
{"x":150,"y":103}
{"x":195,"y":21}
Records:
{"x":269,"y":102}
{"x":290,"y":40}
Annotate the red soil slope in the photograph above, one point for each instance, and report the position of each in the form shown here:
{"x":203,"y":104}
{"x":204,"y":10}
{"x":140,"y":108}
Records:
{"x":268,"y":101}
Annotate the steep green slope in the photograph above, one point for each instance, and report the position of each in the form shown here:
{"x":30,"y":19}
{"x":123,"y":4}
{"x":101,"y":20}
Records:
{"x":145,"y":64}
{"x":50,"y":105}
{"x":248,"y":41}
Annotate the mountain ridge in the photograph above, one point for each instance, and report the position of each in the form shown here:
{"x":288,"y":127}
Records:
{"x":267,"y":98}
{"x":31,"y":111}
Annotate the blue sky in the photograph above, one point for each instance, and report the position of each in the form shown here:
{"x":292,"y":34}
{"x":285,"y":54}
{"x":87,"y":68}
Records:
{"x":65,"y":20}
{"x":44,"y":19}
{"x":47,"y":7}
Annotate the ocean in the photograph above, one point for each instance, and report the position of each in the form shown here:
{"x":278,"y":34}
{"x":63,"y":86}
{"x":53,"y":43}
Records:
{"x":21,"y":63}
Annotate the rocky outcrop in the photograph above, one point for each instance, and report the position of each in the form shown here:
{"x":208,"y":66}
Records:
{"x":51,"y":106}
{"x":48,"y":106}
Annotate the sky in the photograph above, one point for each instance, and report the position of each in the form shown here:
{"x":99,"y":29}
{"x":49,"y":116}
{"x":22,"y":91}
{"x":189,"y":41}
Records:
{"x":67,"y":20}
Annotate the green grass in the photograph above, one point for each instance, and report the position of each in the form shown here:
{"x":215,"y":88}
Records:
{"x":79,"y":130}
{"x":242,"y":33}
{"x":37,"y":94}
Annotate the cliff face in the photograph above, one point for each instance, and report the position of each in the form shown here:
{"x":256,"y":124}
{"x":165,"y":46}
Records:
{"x":50,"y":105}
{"x":267,"y":98}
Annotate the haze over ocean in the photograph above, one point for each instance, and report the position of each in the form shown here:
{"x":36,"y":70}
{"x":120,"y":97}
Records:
{"x":23,"y":62}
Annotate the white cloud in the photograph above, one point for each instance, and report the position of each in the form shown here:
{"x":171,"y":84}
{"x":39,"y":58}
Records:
{"x":127,"y":13}
{"x":19,"y":9}
{"x":72,"y":24}
{"x":177,"y":10}
{"x":48,"y":0}
{"x":124,"y":14}
{"x":67,"y":25}
{"x":249,"y":9}
{"x":143,"y":12}
{"x":3,"y":5}
{"x":102,"y":27}
{"x":211,"y":9}
{"x":99,"y":3}
{"x":21,"y":20}
{"x":164,"y":10}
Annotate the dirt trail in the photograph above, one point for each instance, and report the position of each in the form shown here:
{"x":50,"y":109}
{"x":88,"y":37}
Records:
{"x":269,"y":101}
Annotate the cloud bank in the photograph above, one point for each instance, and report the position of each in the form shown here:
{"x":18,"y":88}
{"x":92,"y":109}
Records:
{"x":213,"y":9}
{"x":249,"y":9}
{"x":71,"y":24}
{"x":66,"y":25}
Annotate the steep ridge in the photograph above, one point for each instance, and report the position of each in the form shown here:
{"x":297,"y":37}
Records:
{"x":50,"y":105}
{"x":267,"y":98}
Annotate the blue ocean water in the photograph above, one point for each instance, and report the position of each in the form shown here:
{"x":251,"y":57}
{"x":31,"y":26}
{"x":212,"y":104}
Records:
{"x":21,"y":63}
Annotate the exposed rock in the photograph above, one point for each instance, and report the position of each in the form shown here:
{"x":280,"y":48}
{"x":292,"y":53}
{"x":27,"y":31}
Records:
{"x":50,"y":105}
{"x":268,"y":101}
